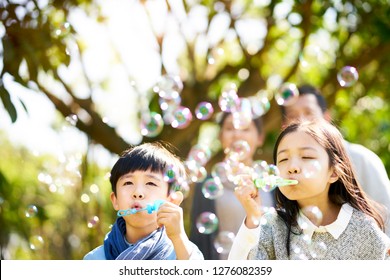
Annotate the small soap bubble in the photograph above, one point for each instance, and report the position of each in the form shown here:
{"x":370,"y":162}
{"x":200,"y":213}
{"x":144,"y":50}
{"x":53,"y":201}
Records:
{"x":260,"y":105}
{"x":318,"y":250}
{"x":212,"y":188}
{"x":170,"y":173}
{"x":224,"y":241}
{"x":239,"y":150}
{"x":36,"y":242}
{"x":229,"y":100}
{"x":311,"y":169}
{"x":169,"y":86}
{"x":347,"y":76}
{"x":182,"y":186}
{"x":219,"y":171}
{"x":182,"y":117}
{"x":313,"y":213}
{"x":204,"y":110}
{"x":63,"y":30}
{"x":207,"y":223}
{"x":200,"y":153}
{"x":31,"y":211}
{"x":260,"y":169}
{"x":287,"y":94}
{"x":195,"y":171}
{"x":93,"y":222}
{"x":273,"y":170}
{"x":151,"y":124}
{"x":72,"y":119}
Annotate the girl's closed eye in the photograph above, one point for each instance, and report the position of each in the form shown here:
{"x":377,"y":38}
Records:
{"x":128,"y":183}
{"x":282,"y":160}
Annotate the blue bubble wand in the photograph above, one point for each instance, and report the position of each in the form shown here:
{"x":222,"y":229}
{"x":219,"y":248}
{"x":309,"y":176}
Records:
{"x":151,"y":207}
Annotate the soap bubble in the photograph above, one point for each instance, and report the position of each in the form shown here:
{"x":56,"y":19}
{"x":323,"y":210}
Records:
{"x":31,"y":211}
{"x":313,"y":213}
{"x":224,"y":241}
{"x":204,"y":110}
{"x":182,"y":117}
{"x":212,"y":188}
{"x":207,"y":223}
{"x":151,"y":124}
{"x":347,"y":76}
{"x":287,"y":94}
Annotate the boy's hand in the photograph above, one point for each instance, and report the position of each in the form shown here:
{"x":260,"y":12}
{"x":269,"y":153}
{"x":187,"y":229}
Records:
{"x":248,"y":195}
{"x":170,"y":215}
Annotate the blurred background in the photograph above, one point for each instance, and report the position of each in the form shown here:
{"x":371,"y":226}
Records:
{"x":81,"y":81}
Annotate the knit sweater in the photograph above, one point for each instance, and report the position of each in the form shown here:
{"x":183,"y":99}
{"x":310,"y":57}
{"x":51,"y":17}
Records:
{"x":361,"y":239}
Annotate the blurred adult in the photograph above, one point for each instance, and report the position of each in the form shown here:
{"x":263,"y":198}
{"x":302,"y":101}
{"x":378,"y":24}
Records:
{"x":226,"y":207}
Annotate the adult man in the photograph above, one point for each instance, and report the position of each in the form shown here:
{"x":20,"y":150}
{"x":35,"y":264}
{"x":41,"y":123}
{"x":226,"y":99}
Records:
{"x":369,"y":168}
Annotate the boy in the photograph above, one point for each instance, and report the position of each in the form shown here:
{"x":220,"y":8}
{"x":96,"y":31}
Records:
{"x":137,"y":181}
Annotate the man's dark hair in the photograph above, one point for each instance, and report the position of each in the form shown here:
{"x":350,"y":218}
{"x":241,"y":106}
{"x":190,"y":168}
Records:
{"x":309,"y":89}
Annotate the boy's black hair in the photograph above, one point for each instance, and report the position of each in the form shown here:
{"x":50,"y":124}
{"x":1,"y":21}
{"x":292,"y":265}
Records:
{"x":309,"y":89}
{"x":148,"y":156}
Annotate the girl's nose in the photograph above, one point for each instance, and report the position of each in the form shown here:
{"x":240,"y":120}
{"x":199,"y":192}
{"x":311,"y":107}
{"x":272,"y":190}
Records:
{"x":293,"y":170}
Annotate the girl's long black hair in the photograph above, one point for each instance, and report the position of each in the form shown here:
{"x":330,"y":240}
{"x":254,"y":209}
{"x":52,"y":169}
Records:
{"x":345,"y":190}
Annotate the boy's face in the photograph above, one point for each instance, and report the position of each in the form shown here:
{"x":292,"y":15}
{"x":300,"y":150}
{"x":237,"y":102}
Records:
{"x":135,"y":191}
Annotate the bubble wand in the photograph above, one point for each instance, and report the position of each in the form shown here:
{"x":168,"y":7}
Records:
{"x":273,"y":180}
{"x":150,"y":208}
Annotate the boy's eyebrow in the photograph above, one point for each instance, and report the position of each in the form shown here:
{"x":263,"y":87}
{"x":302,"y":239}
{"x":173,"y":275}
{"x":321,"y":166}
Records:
{"x":302,"y":148}
{"x":152,"y":176}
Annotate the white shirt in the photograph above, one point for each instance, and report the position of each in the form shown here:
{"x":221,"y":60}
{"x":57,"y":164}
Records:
{"x":247,"y":238}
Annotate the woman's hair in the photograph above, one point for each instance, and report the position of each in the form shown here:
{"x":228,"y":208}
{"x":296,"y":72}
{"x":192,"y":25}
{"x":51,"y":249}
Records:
{"x":257,"y":121}
{"x":148,"y":156}
{"x":345,"y":190}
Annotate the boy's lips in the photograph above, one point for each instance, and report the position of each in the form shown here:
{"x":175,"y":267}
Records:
{"x":136,"y":206}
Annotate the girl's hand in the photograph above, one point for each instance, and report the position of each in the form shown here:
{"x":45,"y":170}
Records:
{"x":248,"y":195}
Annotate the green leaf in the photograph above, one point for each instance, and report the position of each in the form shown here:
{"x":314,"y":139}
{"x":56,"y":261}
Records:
{"x":8,"y":105}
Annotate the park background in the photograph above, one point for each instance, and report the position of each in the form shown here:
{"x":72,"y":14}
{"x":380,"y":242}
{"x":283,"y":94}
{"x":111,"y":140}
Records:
{"x":78,"y":82}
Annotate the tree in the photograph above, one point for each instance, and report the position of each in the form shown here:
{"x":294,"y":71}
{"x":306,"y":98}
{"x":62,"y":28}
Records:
{"x":257,"y":45}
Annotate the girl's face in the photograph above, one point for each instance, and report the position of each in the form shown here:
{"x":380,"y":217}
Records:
{"x":300,"y":157}
{"x":137,"y":190}
{"x":229,"y":135}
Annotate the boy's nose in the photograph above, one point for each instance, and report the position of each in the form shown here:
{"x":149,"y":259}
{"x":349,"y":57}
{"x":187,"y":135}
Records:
{"x":138,"y":194}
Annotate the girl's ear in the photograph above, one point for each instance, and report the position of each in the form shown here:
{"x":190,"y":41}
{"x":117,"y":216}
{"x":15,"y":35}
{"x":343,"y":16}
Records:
{"x":333,"y":177}
{"x":114,"y":201}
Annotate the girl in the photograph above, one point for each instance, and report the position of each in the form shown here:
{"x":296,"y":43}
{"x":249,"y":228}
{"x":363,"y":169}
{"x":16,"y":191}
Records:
{"x":325,"y":216}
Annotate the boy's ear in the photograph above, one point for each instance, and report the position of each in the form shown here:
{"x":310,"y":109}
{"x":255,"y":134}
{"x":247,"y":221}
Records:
{"x":176,"y":198}
{"x":114,"y":201}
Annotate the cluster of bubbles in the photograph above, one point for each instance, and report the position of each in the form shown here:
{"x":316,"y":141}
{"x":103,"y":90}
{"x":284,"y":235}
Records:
{"x":175,"y":114}
{"x":169,"y":88}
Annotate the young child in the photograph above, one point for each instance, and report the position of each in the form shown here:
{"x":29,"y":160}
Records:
{"x":137,"y":180}
{"x":345,"y":225}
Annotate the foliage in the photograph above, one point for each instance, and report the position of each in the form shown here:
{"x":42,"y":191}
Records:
{"x":258,"y":45}
{"x":49,"y":210}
